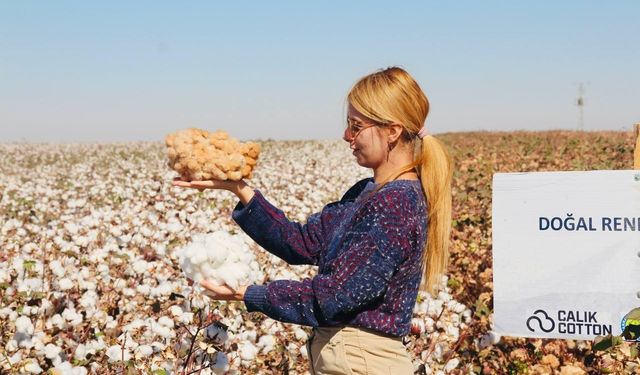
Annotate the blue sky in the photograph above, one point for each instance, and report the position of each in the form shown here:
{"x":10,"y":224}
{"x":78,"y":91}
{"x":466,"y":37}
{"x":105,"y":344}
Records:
{"x":122,"y":71}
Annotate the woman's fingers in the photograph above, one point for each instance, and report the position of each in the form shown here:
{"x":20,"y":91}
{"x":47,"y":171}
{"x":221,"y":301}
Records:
{"x":203,"y":184}
{"x":222,"y":292}
{"x":200,"y":185}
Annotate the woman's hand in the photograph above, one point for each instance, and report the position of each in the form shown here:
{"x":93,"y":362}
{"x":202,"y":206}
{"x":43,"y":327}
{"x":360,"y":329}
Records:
{"x":222,"y":292}
{"x":239,"y":188}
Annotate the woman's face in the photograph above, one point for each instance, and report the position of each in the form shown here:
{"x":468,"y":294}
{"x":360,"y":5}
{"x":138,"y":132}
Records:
{"x":367,"y":140}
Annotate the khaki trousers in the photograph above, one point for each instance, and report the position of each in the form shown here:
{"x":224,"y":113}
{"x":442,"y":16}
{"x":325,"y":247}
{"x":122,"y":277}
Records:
{"x":356,"y":351}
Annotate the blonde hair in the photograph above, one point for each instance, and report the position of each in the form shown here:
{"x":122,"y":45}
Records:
{"x":393,"y":96}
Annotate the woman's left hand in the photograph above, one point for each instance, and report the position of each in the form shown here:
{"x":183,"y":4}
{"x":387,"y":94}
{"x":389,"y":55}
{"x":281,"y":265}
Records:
{"x":222,"y":292}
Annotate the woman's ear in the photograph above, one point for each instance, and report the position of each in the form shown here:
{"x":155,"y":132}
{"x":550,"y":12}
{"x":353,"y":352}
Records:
{"x":395,"y":131}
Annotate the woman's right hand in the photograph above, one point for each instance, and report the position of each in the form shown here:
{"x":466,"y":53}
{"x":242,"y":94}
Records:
{"x":239,"y":188}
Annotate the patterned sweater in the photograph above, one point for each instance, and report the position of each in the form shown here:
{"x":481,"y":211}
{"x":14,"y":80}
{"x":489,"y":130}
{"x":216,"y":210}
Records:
{"x":367,"y":248}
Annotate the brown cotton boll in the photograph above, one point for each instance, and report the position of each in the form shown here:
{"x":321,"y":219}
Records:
{"x":218,"y":143}
{"x":198,"y":154}
{"x":172,"y":153}
{"x":183,"y":150}
{"x":237,"y":161}
{"x":169,"y":140}
{"x":253,"y":150}
{"x":245,"y":170}
{"x":235,"y":175}
{"x":193,"y":165}
{"x":223,"y":163}
{"x":227,"y":147}
{"x":250,"y":161}
{"x":219,"y":134}
{"x":198,"y":176}
{"x":215,"y":173}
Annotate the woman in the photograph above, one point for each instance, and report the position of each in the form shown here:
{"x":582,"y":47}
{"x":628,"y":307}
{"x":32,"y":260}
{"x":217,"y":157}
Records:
{"x":371,"y":247}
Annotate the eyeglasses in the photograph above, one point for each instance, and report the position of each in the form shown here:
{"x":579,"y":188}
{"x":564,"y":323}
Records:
{"x":355,"y":127}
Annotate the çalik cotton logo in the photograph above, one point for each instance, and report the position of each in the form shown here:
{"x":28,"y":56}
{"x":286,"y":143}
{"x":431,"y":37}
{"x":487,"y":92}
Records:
{"x":630,"y":326}
{"x":540,"y":321}
{"x":572,"y":322}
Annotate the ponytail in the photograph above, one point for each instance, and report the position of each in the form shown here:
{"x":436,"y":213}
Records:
{"x":436,"y":171}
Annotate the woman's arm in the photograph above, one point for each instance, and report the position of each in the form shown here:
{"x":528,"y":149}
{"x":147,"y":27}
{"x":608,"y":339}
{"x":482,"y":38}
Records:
{"x":268,"y":226}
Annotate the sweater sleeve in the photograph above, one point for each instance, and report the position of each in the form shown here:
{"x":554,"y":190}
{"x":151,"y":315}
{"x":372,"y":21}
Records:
{"x":370,"y":253}
{"x":293,"y":242}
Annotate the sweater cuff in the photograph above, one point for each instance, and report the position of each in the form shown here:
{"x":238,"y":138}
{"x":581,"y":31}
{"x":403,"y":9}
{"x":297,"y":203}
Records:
{"x":242,"y":210}
{"x":255,"y":298}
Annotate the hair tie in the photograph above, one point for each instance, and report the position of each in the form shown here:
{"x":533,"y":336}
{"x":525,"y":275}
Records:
{"x":423,"y":132}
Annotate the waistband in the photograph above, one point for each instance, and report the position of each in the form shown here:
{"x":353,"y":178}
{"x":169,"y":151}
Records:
{"x":353,"y":331}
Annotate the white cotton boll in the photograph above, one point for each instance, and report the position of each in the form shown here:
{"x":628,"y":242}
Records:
{"x":32,"y":367}
{"x":429,"y":325}
{"x":488,"y":339}
{"x":208,"y":272}
{"x":456,"y":306}
{"x":451,"y":364}
{"x":71,"y":316}
{"x":444,"y":297}
{"x":57,"y":268}
{"x":56,"y":321}
{"x":71,"y":228}
{"x":89,"y":299}
{"x":24,"y":325}
{"x":266,"y":343}
{"x":435,"y":308}
{"x":175,"y":310}
{"x":65,"y":284}
{"x":81,"y":352}
{"x":143,"y":289}
{"x":143,"y":351}
{"x":11,"y":346}
{"x":140,"y":266}
{"x":248,"y":336}
{"x":185,"y":318}
{"x":116,"y":353}
{"x":17,"y":357}
{"x":30,"y":285}
{"x":300,"y":333}
{"x":51,"y":351}
{"x":216,"y":334}
{"x":5,"y":312}
{"x":303,"y":352}
{"x":164,"y":289}
{"x":231,"y":276}
{"x":275,"y":328}
{"x":218,"y":257}
{"x":220,"y":363}
{"x":198,"y":257}
{"x":248,"y":351}
{"x":166,"y":321}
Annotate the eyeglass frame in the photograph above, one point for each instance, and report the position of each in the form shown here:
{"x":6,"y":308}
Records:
{"x":349,"y":135}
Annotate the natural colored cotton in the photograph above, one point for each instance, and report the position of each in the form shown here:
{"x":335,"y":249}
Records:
{"x":201,"y":155}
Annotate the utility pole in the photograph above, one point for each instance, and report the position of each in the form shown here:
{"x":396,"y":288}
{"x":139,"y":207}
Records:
{"x":580,"y":104}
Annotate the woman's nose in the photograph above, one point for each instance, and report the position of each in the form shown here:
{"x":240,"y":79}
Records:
{"x":346,"y":136}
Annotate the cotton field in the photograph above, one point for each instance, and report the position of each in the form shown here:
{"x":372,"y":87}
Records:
{"x":92,"y":251}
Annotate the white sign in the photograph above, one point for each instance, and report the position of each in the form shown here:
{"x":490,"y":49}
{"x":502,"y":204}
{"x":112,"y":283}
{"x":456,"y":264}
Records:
{"x":566,"y":253}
